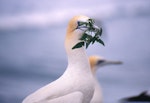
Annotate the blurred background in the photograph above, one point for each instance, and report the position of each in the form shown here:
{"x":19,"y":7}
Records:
{"x":32,"y":53}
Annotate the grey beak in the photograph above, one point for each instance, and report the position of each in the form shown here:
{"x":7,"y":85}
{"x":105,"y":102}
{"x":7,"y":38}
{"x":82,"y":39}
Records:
{"x":108,"y":62}
{"x":113,"y":62}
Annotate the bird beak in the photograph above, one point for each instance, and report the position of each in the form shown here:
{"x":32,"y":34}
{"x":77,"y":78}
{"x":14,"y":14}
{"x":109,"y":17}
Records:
{"x":88,"y":26}
{"x":113,"y":62}
{"x":109,"y":62}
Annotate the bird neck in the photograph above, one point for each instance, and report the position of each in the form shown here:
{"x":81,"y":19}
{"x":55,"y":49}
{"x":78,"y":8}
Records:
{"x":94,"y":71}
{"x":77,"y":58}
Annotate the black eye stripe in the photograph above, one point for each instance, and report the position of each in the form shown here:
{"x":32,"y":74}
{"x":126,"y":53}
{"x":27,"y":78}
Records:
{"x":100,"y":61}
{"x":82,"y":23}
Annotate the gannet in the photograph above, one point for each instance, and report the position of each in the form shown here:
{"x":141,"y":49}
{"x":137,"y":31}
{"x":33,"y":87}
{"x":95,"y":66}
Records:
{"x":76,"y":84}
{"x":95,"y":63}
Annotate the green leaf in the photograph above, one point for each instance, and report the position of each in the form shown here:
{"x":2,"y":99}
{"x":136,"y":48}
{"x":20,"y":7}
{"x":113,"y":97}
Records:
{"x":100,"y":41}
{"x":89,"y":37}
{"x":84,"y":37}
{"x":100,"y":32}
{"x":93,"y":40}
{"x":78,"y":45}
{"x":87,"y":44}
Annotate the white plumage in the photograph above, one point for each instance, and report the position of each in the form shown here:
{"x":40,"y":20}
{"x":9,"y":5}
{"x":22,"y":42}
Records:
{"x":76,"y":84}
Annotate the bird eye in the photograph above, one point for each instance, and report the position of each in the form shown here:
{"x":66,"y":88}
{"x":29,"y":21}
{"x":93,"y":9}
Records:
{"x":100,"y":61}
{"x":91,"y":21}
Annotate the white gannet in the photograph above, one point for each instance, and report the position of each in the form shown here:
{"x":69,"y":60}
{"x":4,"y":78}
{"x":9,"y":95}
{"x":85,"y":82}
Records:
{"x":76,"y":84}
{"x":95,"y":63}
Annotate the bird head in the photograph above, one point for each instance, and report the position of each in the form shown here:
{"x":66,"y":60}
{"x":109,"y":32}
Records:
{"x":77,"y":27}
{"x":97,"y":61}
{"x":79,"y":24}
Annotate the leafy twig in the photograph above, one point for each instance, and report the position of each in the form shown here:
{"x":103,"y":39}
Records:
{"x":87,"y":37}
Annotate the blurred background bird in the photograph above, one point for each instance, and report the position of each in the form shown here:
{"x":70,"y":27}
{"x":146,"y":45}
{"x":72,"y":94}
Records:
{"x":95,"y":63}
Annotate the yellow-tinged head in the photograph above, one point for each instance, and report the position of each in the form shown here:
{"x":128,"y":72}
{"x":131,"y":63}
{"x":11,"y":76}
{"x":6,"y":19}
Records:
{"x":97,"y":61}
{"x":76,"y":28}
{"x":94,"y":62}
{"x":74,"y":23}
